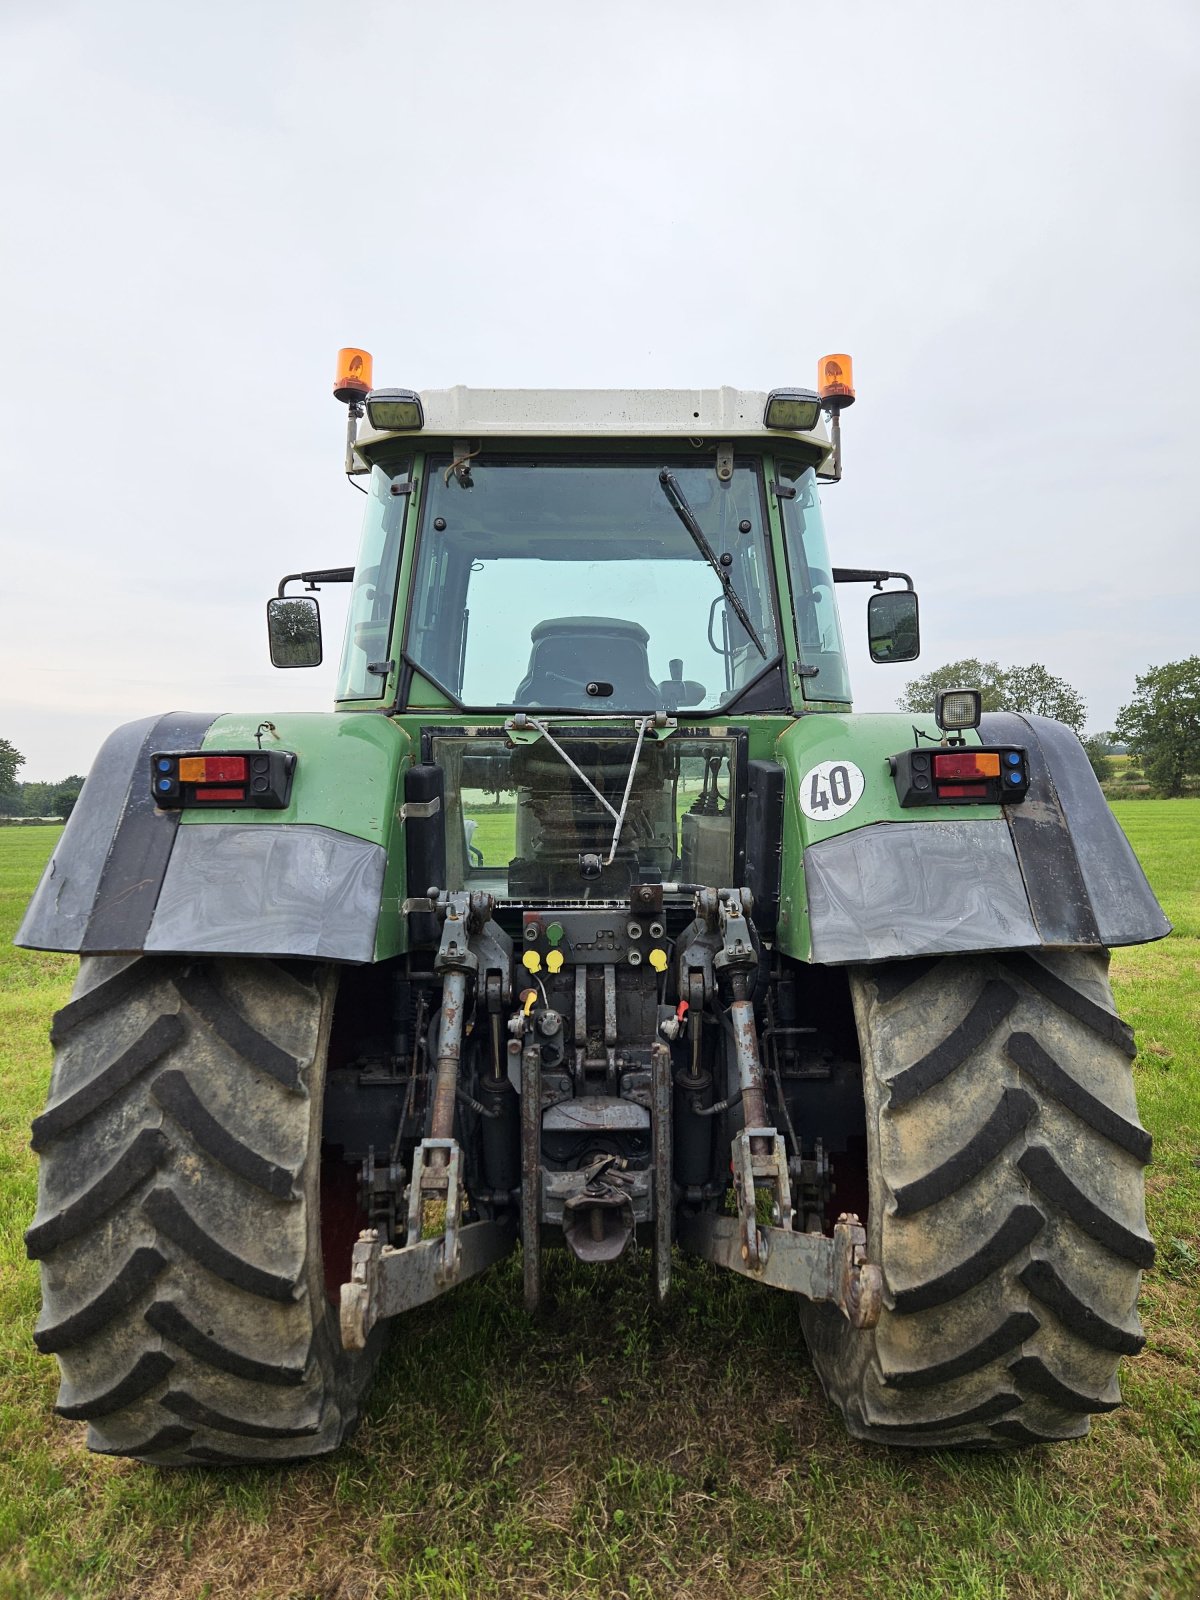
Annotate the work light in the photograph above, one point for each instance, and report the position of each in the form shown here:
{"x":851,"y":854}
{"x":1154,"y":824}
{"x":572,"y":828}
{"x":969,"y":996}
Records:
{"x":394,"y":410}
{"x":958,"y":708}
{"x":794,"y":409}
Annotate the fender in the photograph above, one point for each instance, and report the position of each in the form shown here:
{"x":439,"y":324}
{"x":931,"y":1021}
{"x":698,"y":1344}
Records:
{"x":1054,"y":871}
{"x":321,"y":879}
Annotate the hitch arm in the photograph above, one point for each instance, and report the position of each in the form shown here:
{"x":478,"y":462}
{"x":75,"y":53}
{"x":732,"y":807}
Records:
{"x":802,"y":1263}
{"x":385,"y":1282}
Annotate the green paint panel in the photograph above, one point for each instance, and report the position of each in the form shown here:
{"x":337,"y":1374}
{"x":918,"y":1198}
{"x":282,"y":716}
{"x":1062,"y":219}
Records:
{"x":347,"y":769}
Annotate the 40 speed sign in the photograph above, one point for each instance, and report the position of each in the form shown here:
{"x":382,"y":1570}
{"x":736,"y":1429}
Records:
{"x":828,"y":791}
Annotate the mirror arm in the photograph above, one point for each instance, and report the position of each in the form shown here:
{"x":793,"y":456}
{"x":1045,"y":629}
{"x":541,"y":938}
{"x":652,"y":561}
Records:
{"x":868,"y":575}
{"x":312,"y":579}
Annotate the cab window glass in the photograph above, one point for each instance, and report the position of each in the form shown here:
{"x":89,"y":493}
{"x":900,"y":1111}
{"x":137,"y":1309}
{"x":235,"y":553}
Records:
{"x":372,"y":601}
{"x":818,"y":626}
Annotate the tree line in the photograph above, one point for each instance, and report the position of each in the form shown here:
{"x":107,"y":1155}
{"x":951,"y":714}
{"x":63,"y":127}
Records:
{"x":33,"y":799}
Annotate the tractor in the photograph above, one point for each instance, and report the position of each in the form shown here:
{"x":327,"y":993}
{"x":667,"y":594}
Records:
{"x":591,"y":918}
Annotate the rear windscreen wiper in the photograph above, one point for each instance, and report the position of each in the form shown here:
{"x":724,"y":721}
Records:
{"x":670,"y":486}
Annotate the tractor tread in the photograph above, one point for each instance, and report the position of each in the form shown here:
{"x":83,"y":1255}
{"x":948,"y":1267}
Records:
{"x":1006,"y":1204}
{"x":995,"y":1406}
{"x":1045,"y":1284}
{"x":149,"y":1370}
{"x":173,"y":1324}
{"x":1014,"y":1111}
{"x":893,"y":980}
{"x":1024,"y":1050}
{"x":175,"y":1094}
{"x":1049,"y":1179}
{"x":169,"y":1437}
{"x":112,"y":992}
{"x":1018,"y":1432}
{"x":133,"y":1279}
{"x":213,"y":1457}
{"x":1035,"y":1377}
{"x":1107,"y":1024}
{"x":1014,"y":1330}
{"x":180,"y":1237}
{"x":985,"y":1016}
{"x":145,"y":1154}
{"x":168,"y":1214}
{"x":192,"y":1410}
{"x":159,"y":1037}
{"x":228,"y":1023}
{"x":1019,"y":1228}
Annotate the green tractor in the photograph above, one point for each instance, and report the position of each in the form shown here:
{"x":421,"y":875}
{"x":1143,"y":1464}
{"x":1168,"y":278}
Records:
{"x":592,"y":918}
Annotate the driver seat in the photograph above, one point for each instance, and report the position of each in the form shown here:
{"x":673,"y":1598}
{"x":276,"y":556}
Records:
{"x":571,"y":652}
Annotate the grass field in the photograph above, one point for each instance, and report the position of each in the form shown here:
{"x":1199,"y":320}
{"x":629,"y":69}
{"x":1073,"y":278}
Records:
{"x":607,"y":1452}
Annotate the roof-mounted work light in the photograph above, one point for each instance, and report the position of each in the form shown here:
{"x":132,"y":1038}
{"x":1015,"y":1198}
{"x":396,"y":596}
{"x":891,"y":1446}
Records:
{"x":835,"y":385}
{"x":395,"y":410}
{"x":794,"y":409}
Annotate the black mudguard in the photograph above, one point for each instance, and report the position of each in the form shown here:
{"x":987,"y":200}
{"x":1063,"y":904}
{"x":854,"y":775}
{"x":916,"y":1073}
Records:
{"x":1085,"y":885}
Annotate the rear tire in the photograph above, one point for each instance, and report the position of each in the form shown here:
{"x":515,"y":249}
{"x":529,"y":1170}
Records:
{"x":1007,"y":1213}
{"x":179,"y":1216}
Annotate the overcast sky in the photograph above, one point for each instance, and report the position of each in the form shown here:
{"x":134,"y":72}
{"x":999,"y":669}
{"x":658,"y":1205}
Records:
{"x":992,"y":207}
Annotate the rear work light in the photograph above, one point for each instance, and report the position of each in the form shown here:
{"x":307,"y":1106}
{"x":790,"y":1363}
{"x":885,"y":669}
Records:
{"x":991,"y":775}
{"x":238,"y":779}
{"x":958,"y":708}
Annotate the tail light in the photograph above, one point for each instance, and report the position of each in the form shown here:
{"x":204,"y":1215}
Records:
{"x":987,"y":775}
{"x":239,"y":779}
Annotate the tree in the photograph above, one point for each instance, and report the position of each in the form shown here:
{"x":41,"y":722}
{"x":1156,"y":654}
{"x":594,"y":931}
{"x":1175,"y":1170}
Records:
{"x":1095,"y":747}
{"x":65,"y":796}
{"x":921,"y":693}
{"x":1161,"y":724}
{"x":1030,"y":688}
{"x":1035,"y":690}
{"x":36,"y":798}
{"x":10,"y":759}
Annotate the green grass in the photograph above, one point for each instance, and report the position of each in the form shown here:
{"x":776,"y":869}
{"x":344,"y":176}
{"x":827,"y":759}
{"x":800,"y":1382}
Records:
{"x":605,"y":1451}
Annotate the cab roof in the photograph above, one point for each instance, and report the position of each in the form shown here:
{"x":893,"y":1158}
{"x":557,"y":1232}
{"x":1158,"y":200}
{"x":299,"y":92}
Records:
{"x":714,"y":415}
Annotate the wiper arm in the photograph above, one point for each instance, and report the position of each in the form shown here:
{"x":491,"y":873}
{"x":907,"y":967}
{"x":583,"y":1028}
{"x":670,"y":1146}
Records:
{"x":670,"y":487}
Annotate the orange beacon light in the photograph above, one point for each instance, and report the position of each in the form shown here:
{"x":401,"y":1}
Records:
{"x":835,"y":382}
{"x":353,"y":381}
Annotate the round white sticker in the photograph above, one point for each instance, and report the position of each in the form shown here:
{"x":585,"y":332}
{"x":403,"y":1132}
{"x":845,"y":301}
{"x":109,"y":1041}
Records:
{"x":827,"y":792}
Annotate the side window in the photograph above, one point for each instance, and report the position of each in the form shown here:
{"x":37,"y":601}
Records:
{"x":818,"y":625}
{"x":369,"y":625}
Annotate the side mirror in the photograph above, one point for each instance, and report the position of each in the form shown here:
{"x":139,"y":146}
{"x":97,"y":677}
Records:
{"x":893,"y":626}
{"x":294,"y":632}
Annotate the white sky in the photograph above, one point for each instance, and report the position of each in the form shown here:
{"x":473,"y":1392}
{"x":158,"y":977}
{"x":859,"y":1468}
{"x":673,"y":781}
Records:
{"x":993,"y":207}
